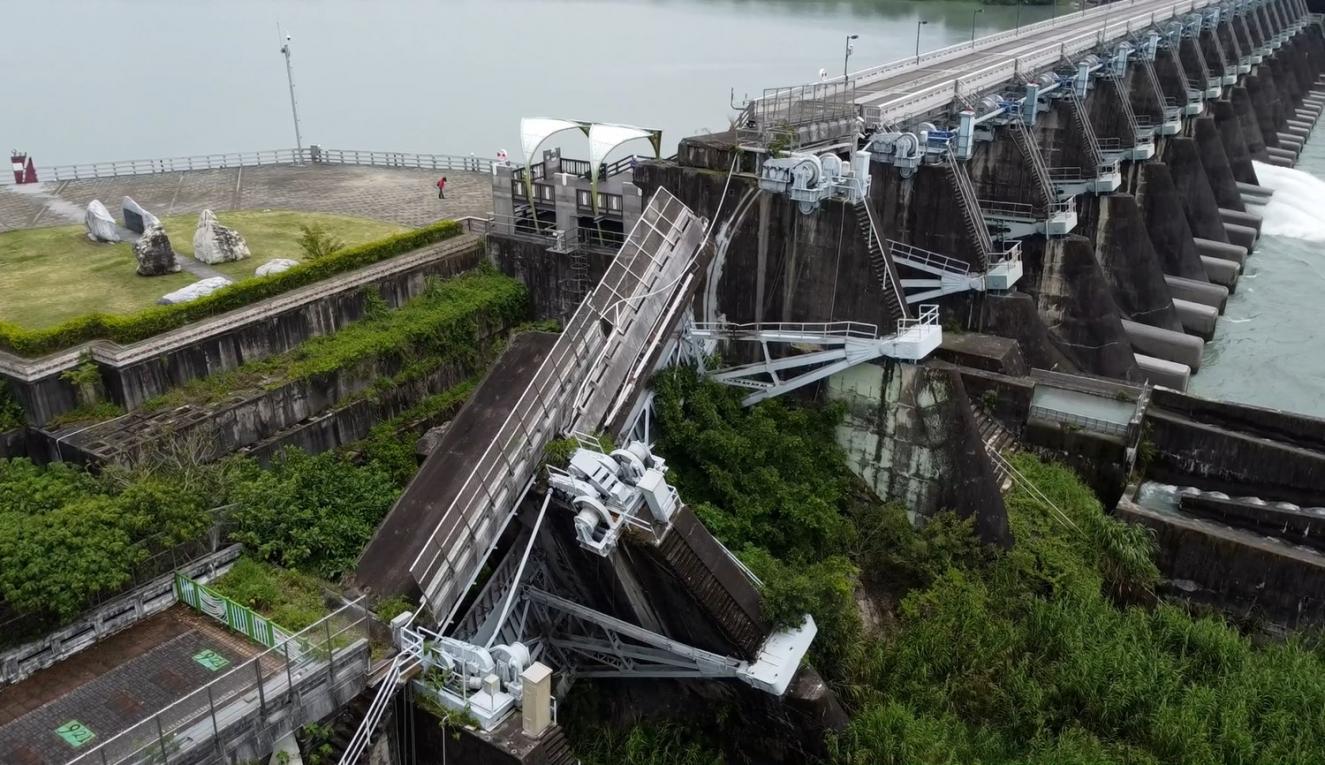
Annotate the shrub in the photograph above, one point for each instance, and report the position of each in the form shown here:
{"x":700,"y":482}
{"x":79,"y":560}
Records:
{"x":317,"y":243}
{"x":131,"y":328}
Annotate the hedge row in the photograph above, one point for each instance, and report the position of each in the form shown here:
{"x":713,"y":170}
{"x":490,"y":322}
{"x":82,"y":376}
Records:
{"x":130,"y":328}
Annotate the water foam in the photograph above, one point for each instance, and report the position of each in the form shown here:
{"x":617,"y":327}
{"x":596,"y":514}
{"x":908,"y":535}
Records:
{"x":1295,"y":209}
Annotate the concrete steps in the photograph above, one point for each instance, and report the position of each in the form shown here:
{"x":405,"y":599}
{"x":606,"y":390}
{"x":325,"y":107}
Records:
{"x":997,"y":440}
{"x":556,"y":749}
{"x":347,"y":724}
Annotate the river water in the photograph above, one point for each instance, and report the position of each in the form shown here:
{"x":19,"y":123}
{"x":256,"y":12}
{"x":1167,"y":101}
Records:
{"x":95,"y":80}
{"x":1269,"y":347}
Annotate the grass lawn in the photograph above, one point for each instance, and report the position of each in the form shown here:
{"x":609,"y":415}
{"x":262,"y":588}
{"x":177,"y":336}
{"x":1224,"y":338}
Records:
{"x":50,"y":275}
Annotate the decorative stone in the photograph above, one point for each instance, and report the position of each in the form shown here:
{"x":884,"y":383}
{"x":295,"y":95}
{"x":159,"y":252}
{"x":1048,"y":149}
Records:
{"x":100,"y":226}
{"x":154,"y":253}
{"x":194,"y":291}
{"x":214,"y":243}
{"x":275,"y":266}
{"x":136,"y":219}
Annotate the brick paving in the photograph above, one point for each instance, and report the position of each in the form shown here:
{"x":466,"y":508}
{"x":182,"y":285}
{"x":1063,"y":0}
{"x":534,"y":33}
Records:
{"x":398,"y":195}
{"x":114,"y":684}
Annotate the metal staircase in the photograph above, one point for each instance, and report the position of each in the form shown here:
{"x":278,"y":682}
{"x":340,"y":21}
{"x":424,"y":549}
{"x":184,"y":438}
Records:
{"x":1088,"y":135}
{"x":577,"y":281}
{"x":1021,"y":135}
{"x":1125,"y":106}
{"x":969,"y":204}
{"x":401,"y":667}
{"x":893,"y":300}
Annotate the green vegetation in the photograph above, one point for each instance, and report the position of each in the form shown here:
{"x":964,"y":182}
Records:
{"x":313,"y":513}
{"x":1055,"y":651}
{"x":11,"y":412}
{"x":450,"y":321}
{"x":316,"y":242}
{"x":68,"y":538}
{"x":52,"y":319}
{"x":290,"y":599}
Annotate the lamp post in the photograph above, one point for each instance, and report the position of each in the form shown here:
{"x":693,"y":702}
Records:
{"x":294,"y":109}
{"x":919,"y":24}
{"x":974,"y":13}
{"x":1019,"y":4}
{"x":846,"y":55}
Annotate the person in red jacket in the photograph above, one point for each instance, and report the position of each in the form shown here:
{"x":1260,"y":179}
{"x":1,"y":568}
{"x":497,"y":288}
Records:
{"x":441,"y":188}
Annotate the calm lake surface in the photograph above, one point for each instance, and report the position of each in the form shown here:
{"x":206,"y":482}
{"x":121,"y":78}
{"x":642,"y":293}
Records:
{"x":95,"y":80}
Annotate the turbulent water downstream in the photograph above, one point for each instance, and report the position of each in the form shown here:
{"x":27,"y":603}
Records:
{"x":1269,"y":348}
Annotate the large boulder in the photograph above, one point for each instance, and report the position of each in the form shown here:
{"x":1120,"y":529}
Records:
{"x":214,"y":243}
{"x":154,"y":253}
{"x":194,"y":291}
{"x":100,"y":226}
{"x":275,"y":266}
{"x":136,"y":218}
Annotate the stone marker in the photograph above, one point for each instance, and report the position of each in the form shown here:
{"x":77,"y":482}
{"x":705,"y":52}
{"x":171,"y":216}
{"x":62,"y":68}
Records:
{"x":194,"y":291}
{"x":275,"y":266}
{"x":154,"y":253}
{"x":100,"y":226}
{"x":136,"y":219}
{"x":214,"y":243}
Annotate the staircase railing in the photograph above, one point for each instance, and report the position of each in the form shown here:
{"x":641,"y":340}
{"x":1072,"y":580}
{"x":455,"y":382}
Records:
{"x":1031,"y":153}
{"x":892,"y":291}
{"x":970,"y":209}
{"x":1082,"y":118}
{"x":1125,"y":106}
{"x":403,"y":662}
{"x":917,"y":257}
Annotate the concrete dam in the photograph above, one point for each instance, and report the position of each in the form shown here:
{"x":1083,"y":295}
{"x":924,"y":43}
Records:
{"x":1020,"y":243}
{"x":1023,"y":242}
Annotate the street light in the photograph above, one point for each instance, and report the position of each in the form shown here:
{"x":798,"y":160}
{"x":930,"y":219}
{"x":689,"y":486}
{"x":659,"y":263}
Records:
{"x":846,"y":56}
{"x":974,"y":13}
{"x":294,"y":109}
{"x":919,"y":24}
{"x":1019,"y":4}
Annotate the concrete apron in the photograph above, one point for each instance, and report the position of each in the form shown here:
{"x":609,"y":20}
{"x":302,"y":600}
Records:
{"x":1196,"y":291}
{"x":1238,"y":218}
{"x":1177,"y":347}
{"x":1221,"y":250}
{"x":1160,"y":372}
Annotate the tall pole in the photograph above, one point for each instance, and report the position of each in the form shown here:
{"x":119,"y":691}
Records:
{"x":846,"y":55}
{"x":974,"y":13}
{"x":919,"y":24}
{"x":294,"y":108}
{"x":1019,"y":4}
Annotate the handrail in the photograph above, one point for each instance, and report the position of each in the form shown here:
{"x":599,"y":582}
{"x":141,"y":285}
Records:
{"x":269,"y":157}
{"x":927,"y":317}
{"x":851,"y":329}
{"x":1080,"y":420}
{"x":909,"y":252}
{"x":364,"y":733}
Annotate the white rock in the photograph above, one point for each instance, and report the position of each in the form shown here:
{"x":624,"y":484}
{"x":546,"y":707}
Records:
{"x":136,"y":218}
{"x":100,"y":226}
{"x":275,"y":266}
{"x":195,"y":290}
{"x":214,"y":243}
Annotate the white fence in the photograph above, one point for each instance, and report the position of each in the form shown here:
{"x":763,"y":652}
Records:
{"x":310,"y":155}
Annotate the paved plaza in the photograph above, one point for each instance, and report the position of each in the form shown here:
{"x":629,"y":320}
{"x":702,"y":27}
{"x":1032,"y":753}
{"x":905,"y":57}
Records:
{"x":398,"y":195}
{"x":80,"y":702}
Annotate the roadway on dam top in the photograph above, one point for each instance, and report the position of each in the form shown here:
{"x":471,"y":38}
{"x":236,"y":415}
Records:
{"x":904,"y":83}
